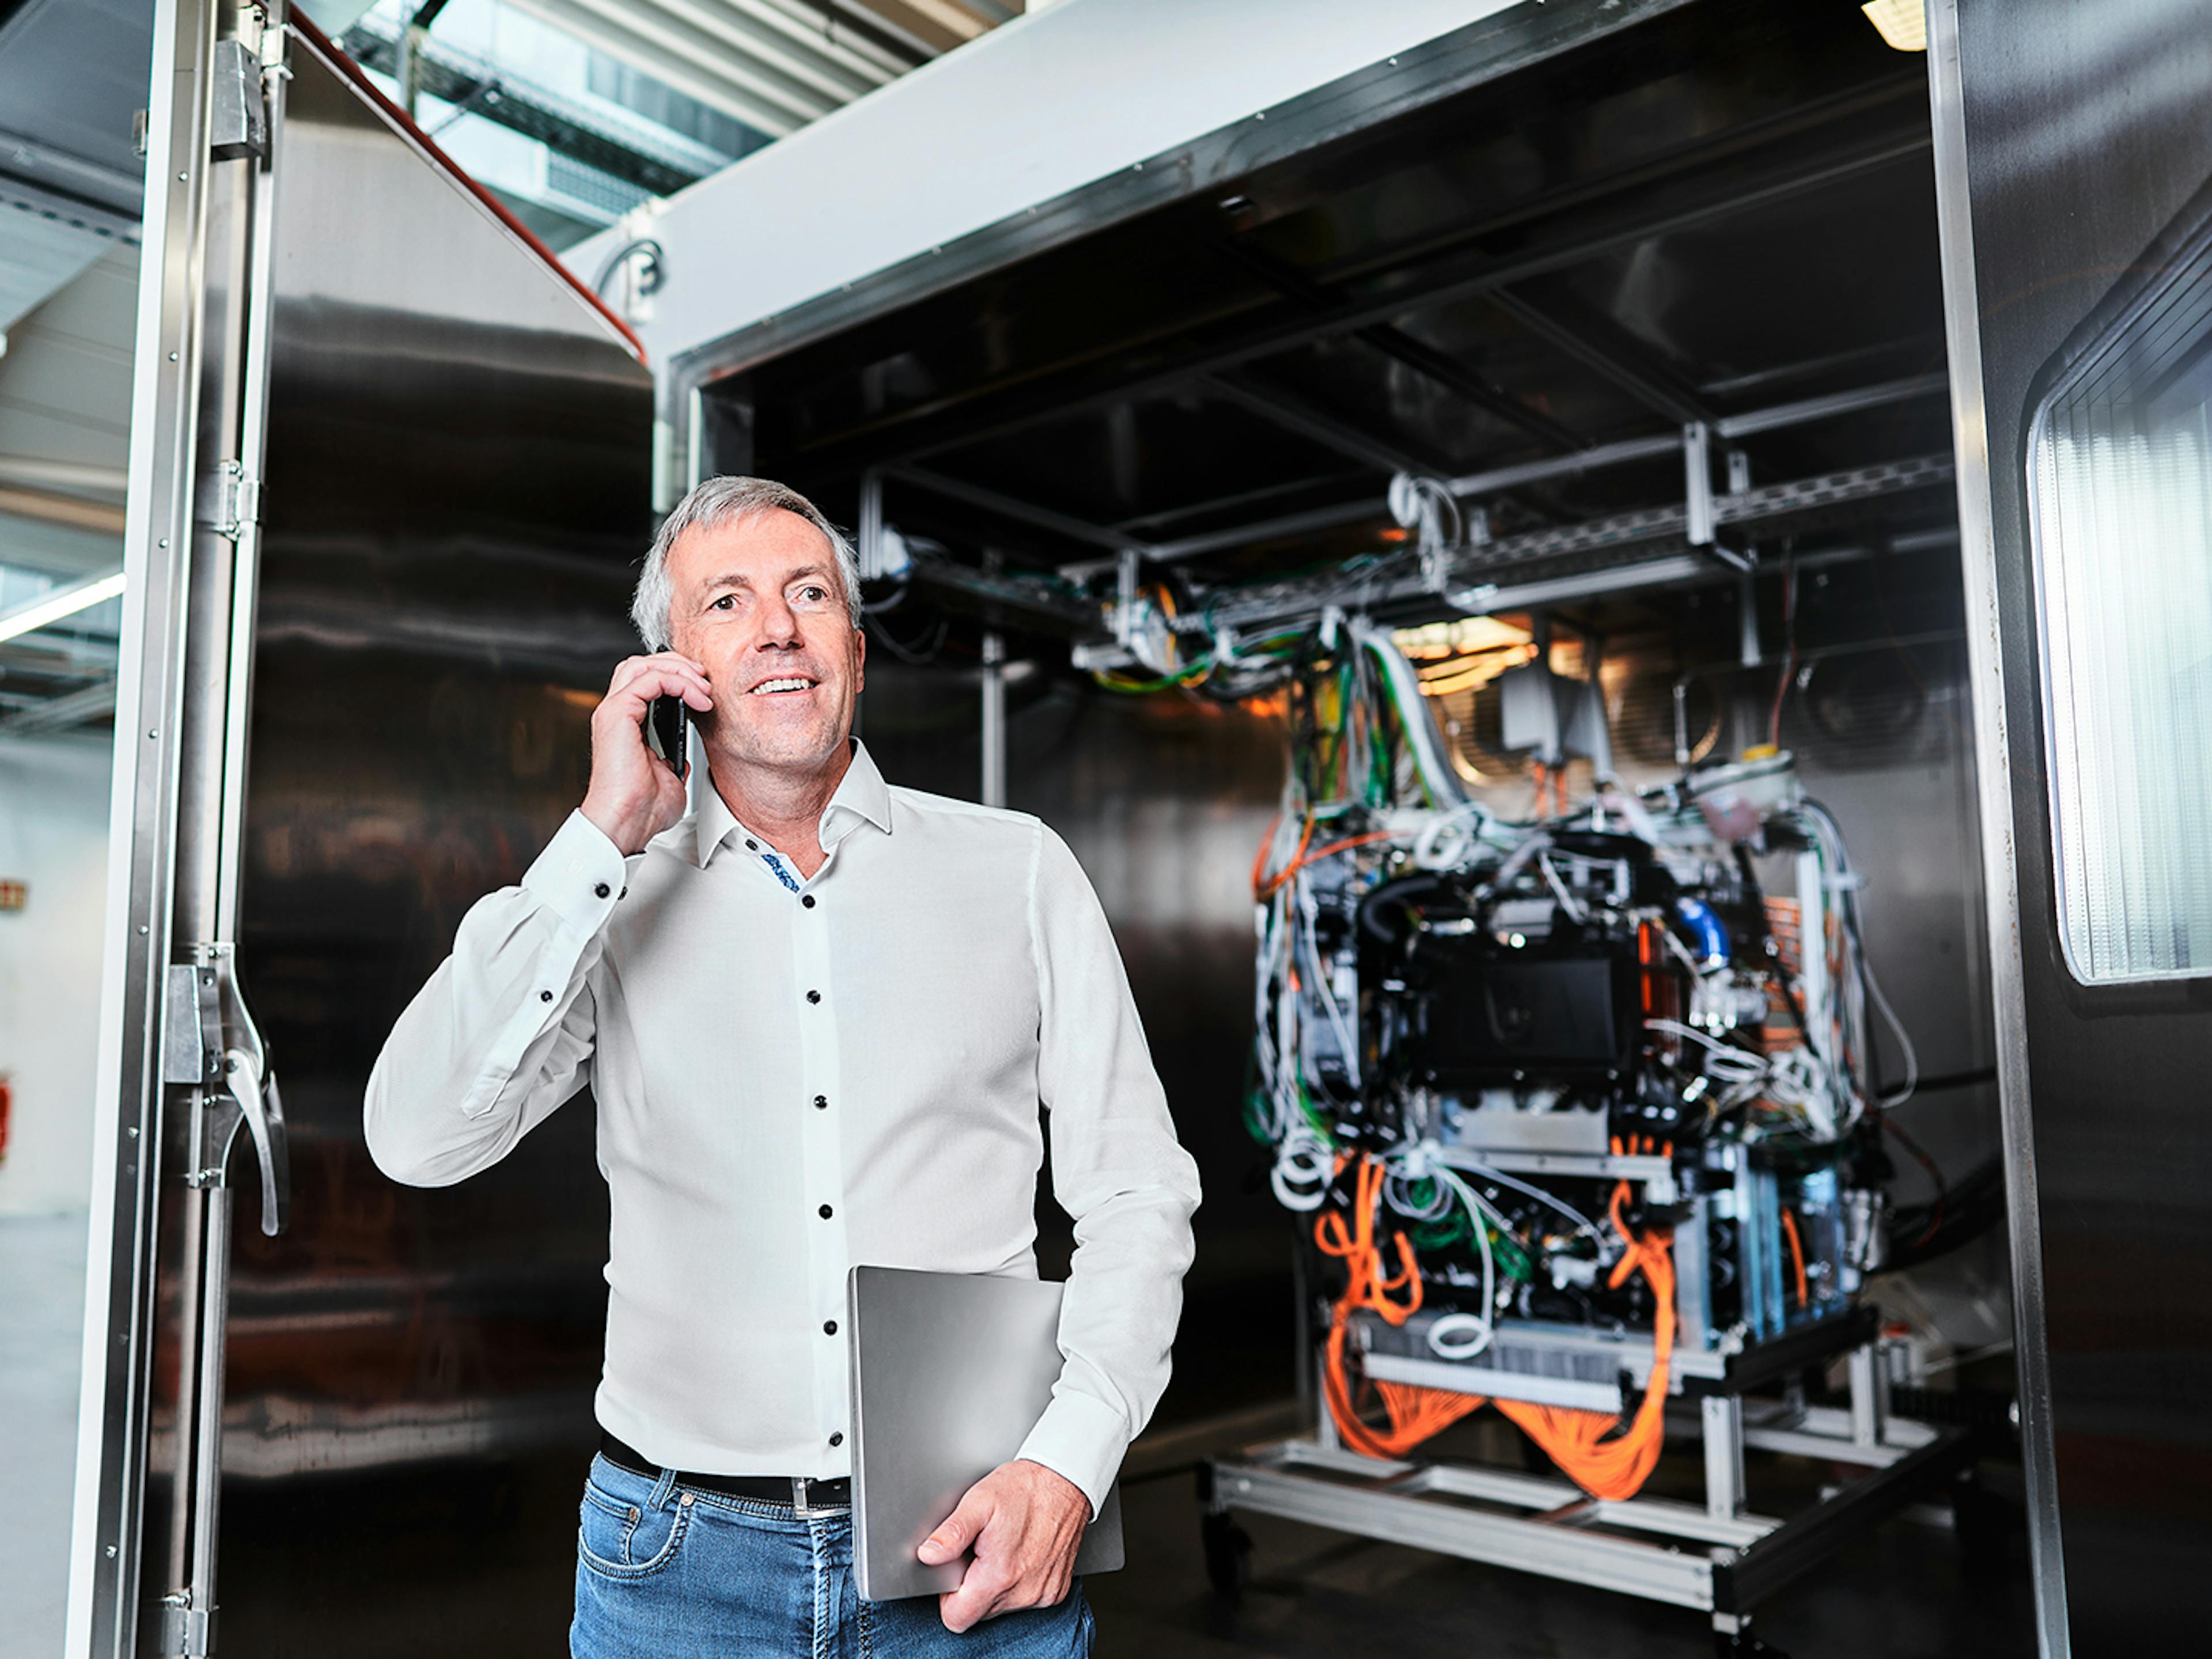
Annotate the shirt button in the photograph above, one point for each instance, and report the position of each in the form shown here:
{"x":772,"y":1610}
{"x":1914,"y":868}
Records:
{"x":752,"y":847}
{"x":600,"y":891}
{"x":825,"y":1213}
{"x":836,"y":1440}
{"x":829,"y":1328}
{"x":545,"y":996}
{"x":821,"y":1103}
{"x":808,"y":901}
{"x":811,"y":996}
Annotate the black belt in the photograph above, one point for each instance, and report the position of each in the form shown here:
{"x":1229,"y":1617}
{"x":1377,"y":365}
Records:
{"x":794,"y":1492}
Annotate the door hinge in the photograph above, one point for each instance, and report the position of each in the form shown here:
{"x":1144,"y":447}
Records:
{"x":187,"y":1632}
{"x":232,"y":499}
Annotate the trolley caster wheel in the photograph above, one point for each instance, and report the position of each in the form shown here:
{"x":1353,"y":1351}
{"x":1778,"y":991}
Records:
{"x":1743,"y":1644}
{"x":1228,"y":1555}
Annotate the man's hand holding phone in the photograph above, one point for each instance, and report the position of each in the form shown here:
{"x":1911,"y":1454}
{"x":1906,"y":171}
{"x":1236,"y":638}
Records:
{"x":634,"y":794}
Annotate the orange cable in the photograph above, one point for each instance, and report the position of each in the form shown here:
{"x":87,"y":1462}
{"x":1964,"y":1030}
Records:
{"x":1613,"y":1468}
{"x":1796,"y":1250}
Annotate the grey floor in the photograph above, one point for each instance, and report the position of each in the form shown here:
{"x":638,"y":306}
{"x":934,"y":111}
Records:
{"x":42,"y":1320}
{"x":1907,"y":1591}
{"x":1904,"y":1592}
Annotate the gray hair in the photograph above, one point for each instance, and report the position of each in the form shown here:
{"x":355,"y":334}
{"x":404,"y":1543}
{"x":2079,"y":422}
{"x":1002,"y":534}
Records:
{"x":716,"y":503}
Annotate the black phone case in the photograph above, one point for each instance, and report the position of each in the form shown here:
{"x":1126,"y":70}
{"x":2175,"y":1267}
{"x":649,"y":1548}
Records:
{"x":668,"y":720}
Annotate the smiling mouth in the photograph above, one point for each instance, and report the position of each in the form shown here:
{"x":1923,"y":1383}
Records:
{"x":782,"y":687}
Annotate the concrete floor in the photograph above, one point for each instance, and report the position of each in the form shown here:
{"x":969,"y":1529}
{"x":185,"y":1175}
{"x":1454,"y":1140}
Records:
{"x":41,"y":1323}
{"x":1905,"y":1592}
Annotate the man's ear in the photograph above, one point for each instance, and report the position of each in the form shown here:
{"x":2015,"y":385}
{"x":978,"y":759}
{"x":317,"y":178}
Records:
{"x":860,"y":661}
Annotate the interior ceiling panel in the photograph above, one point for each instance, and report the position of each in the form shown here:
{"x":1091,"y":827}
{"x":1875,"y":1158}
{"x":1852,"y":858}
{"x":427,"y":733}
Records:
{"x":1857,"y":262}
{"x":1717,"y":211}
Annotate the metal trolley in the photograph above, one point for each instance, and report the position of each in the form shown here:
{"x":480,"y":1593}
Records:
{"x":1722,"y":1558}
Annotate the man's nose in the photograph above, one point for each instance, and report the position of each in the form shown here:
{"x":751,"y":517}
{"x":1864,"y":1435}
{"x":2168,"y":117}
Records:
{"x":779,"y":622}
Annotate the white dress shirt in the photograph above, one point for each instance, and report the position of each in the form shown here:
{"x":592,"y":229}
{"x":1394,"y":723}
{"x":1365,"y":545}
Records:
{"x":792,"y":1082}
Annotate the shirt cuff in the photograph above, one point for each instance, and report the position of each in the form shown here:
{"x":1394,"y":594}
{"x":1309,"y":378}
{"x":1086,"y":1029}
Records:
{"x":1082,"y":1439}
{"x":580,"y":875}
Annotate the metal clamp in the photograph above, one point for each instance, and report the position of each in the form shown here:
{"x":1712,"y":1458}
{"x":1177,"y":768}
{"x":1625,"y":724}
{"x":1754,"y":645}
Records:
{"x":231,"y":500}
{"x":210,"y":1044}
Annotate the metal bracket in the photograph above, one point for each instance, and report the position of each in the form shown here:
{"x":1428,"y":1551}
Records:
{"x":1697,"y":482}
{"x":187,"y":1632}
{"x":239,"y":127}
{"x":211,"y":1044}
{"x":231,"y":500}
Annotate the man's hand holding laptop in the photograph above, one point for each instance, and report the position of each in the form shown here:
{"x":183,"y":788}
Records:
{"x":1025,"y":1524}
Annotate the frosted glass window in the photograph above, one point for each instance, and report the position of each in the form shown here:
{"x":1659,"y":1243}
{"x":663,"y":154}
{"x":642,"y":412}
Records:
{"x":2120,"y":505}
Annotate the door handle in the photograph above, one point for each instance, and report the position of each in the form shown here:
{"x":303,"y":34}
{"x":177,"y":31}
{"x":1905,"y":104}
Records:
{"x":211,"y":1041}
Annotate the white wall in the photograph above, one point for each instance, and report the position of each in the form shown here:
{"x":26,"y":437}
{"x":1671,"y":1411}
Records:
{"x":53,"y":836}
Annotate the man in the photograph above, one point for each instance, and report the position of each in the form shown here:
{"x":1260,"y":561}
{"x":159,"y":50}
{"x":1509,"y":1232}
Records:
{"x":818,"y":1017}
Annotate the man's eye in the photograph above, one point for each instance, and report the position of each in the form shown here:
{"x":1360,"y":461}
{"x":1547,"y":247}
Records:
{"x":728,"y":601}
{"x":814,"y":593}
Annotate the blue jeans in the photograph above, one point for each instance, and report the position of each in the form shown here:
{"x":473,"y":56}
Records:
{"x":666,"y":1573}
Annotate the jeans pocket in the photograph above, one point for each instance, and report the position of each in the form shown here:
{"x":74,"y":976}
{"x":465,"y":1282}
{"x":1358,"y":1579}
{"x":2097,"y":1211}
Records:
{"x":620,"y":1540}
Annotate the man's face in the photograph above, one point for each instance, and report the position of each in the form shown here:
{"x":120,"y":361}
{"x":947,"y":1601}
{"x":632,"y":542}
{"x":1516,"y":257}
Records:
{"x":760,"y":602}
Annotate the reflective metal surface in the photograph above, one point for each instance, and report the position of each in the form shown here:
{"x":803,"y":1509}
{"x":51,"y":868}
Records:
{"x":111,"y":1544}
{"x":2070,"y":141}
{"x":455,"y":491}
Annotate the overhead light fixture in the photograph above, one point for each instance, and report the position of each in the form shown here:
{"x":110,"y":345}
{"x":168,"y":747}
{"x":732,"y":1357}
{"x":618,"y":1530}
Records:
{"x":50,"y":608}
{"x":1903,"y":23}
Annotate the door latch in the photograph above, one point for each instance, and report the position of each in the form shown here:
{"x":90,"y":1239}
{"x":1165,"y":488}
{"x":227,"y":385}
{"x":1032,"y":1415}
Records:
{"x":210,"y":1044}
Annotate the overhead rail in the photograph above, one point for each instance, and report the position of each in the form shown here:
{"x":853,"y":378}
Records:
{"x":1799,"y":413}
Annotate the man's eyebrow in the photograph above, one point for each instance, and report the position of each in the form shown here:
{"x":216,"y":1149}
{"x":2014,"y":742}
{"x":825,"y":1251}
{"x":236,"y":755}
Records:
{"x":735,"y":579}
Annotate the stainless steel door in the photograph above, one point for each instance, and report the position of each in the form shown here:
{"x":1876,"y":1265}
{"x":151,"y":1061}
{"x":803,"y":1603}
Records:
{"x":426,"y":576}
{"x":2071,"y":145}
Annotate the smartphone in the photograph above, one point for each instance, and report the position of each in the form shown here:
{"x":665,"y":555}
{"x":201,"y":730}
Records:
{"x":668,"y":732}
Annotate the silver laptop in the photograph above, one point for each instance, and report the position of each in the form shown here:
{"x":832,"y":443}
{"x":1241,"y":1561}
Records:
{"x":951,"y":1372}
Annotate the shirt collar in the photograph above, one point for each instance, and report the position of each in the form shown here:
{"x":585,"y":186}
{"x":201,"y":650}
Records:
{"x":862,"y":796}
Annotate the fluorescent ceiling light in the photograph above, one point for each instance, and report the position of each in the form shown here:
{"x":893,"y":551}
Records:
{"x":50,"y":608}
{"x":1903,"y":23}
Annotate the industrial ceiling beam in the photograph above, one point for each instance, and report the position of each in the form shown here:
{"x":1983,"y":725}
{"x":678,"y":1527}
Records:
{"x":1394,"y":342}
{"x":1468,"y":383}
{"x":1219,"y":504}
{"x":1040,"y":518}
{"x":1599,"y":343}
{"x":693,"y":63}
{"x":531,"y":112}
{"x":991,"y":412}
{"x":867,"y":53}
{"x":1496,"y":480}
{"x":1279,"y":603}
{"x":71,"y":708}
{"x":71,"y":510}
{"x":1295,"y":414}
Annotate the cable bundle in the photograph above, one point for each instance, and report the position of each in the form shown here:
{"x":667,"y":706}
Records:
{"x":1596,"y":1451}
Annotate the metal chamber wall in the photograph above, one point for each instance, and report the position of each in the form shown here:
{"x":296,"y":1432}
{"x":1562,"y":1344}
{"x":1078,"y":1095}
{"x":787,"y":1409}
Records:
{"x":2084,"y":144}
{"x":456,"y":491}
